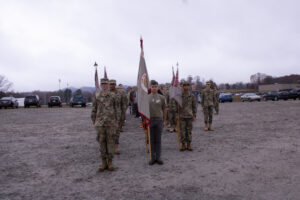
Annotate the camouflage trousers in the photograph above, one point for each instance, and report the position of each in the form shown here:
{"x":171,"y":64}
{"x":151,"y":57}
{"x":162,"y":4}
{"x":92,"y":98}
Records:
{"x":117,"y":132}
{"x":106,"y":141}
{"x":123,"y":118}
{"x":186,"y":126}
{"x":208,"y":114}
{"x":172,"y":118}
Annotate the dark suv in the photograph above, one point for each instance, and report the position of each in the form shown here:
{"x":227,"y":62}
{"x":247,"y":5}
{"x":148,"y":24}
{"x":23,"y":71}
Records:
{"x":271,"y":95}
{"x":294,"y":94}
{"x":33,"y":100}
{"x":54,"y":101}
{"x":78,"y":99}
{"x":286,"y":95}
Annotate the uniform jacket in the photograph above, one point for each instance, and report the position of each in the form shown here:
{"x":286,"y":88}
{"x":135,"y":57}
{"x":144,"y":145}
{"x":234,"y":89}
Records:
{"x":104,"y":112}
{"x":208,"y":98}
{"x":189,"y":106}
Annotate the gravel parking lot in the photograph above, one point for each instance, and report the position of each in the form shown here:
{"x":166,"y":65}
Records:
{"x":52,"y":153}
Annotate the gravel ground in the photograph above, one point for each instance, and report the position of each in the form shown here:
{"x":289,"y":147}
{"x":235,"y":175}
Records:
{"x":52,"y":153}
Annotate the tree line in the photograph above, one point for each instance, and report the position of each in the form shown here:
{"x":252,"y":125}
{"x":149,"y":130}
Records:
{"x":197,"y":82}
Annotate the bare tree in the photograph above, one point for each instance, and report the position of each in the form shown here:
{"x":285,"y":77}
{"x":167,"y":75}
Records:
{"x":5,"y":84}
{"x":257,"y":78}
{"x":198,"y":82}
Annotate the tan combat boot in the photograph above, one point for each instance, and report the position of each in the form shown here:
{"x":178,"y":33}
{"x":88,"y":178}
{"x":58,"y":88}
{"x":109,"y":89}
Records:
{"x":182,"y":147}
{"x":103,"y":166}
{"x":189,"y":147}
{"x":117,"y":149}
{"x":210,"y":128}
{"x":206,"y":127}
{"x":110,"y":165}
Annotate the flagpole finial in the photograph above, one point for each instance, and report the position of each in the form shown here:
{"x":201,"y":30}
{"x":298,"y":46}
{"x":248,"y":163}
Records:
{"x":95,"y":65}
{"x":141,"y":40}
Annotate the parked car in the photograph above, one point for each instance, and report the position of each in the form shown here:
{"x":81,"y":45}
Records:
{"x":196,"y":94}
{"x":6,"y":102}
{"x":250,"y":97}
{"x":199,"y":98}
{"x":298,"y":92}
{"x":33,"y":100}
{"x":294,"y":94}
{"x":78,"y":99}
{"x":223,"y":97}
{"x":284,"y":95}
{"x":271,"y":95}
{"x":54,"y":101}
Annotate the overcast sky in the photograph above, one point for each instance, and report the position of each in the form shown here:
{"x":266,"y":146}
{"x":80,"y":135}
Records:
{"x":224,"y":40}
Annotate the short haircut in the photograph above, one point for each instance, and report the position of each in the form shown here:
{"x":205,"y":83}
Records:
{"x":154,"y":82}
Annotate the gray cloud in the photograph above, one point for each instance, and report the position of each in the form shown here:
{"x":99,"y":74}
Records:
{"x":42,"y":41}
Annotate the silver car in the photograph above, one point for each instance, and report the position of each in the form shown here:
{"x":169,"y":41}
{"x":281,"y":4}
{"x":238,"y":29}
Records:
{"x":250,"y":97}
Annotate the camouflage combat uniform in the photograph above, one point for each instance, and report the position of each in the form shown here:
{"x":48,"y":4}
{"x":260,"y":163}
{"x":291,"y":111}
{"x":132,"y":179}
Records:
{"x":186,"y":113}
{"x":120,"y":107}
{"x":104,"y":117}
{"x":216,"y":102}
{"x":124,"y":107}
{"x":173,"y":107}
{"x":208,"y":99}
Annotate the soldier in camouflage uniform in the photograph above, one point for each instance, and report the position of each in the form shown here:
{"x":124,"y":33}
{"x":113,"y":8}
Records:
{"x":120,"y":104}
{"x":125,"y":106}
{"x":104,"y":117}
{"x":208,"y":99}
{"x":213,"y":86}
{"x":187,"y":115}
{"x":172,"y":108}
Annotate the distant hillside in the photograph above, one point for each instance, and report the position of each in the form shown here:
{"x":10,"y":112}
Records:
{"x":288,"y":79}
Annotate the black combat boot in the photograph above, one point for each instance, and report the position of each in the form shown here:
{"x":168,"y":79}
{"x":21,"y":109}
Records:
{"x":151,"y":162}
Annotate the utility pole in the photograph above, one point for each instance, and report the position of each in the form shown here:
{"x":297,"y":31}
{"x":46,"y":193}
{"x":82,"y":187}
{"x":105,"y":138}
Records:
{"x":59,"y":81}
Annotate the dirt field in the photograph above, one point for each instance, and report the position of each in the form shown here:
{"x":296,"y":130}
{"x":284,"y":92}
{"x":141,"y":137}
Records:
{"x":254,"y":153}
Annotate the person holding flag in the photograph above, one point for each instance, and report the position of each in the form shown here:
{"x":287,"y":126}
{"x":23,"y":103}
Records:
{"x":158,"y":119}
{"x":172,"y":108}
{"x":176,"y":94}
{"x":140,"y":97}
{"x":152,"y":108}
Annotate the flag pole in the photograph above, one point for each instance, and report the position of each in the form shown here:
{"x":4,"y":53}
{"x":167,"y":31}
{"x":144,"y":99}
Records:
{"x":149,"y":138}
{"x":147,"y":128}
{"x":146,"y":141}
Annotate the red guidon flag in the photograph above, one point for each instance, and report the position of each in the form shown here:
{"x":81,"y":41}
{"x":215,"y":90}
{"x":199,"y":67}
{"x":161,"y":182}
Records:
{"x":142,"y":88}
{"x":175,"y":91}
{"x":173,"y":78}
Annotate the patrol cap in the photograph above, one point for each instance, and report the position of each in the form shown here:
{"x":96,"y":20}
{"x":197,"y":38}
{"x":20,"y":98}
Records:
{"x":184,"y":83}
{"x":104,"y":81}
{"x":112,"y":81}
